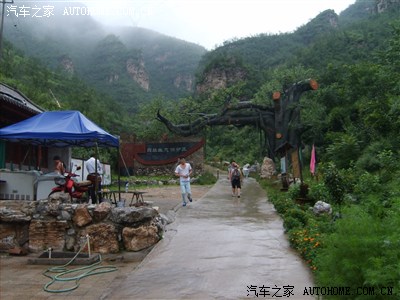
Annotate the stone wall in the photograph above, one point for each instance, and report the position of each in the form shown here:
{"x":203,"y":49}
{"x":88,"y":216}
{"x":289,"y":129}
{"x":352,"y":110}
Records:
{"x":35,"y":226}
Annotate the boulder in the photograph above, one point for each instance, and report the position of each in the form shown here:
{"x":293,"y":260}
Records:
{"x":13,"y":215}
{"x":82,"y":216}
{"x":103,"y":238}
{"x":101,"y":211}
{"x":136,"y":239}
{"x":44,"y":234}
{"x":132,"y":215}
{"x":321,"y":207}
{"x":268,"y":168}
{"x":13,"y":235}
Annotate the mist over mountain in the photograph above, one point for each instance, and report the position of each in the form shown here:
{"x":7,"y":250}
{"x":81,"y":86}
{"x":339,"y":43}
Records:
{"x":131,"y":64}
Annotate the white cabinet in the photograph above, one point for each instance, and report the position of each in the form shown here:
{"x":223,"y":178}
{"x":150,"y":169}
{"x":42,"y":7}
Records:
{"x":18,"y":185}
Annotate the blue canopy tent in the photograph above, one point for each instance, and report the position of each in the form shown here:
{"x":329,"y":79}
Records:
{"x":59,"y":129}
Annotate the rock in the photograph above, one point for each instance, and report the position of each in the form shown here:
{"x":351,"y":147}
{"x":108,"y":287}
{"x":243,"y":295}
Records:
{"x":61,"y":197}
{"x":268,"y":168}
{"x":82,"y":216}
{"x":28,"y":208}
{"x":132,"y":215}
{"x":138,"y":72}
{"x":168,"y":218}
{"x":13,"y":235}
{"x":136,"y":239}
{"x":172,"y":182}
{"x":321,"y":207}
{"x":7,"y":242}
{"x":17,"y":251}
{"x":53,"y":208}
{"x":101,"y":211}
{"x":45,"y":234}
{"x":70,"y":243}
{"x":11,"y":215}
{"x":103,"y":238}
{"x":65,"y":215}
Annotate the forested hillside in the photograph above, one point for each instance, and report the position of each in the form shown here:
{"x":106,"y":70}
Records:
{"x":136,"y":71}
{"x":132,"y":65}
{"x":330,"y":49}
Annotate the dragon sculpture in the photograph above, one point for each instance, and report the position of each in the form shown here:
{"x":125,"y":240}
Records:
{"x":280,"y":123}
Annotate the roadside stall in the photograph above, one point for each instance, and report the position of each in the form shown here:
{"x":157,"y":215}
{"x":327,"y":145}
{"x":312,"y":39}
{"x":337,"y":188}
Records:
{"x":53,"y":129}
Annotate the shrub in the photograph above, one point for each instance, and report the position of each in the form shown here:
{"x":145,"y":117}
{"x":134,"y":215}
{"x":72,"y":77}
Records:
{"x":335,"y":183}
{"x":367,"y":183}
{"x":206,"y":178}
{"x":290,"y":223}
{"x":294,"y":217}
{"x":374,"y":158}
{"x":299,"y":214}
{"x":282,"y":204}
{"x":294,"y":191}
{"x":363,"y":251}
{"x":344,"y":149}
{"x":307,"y":242}
{"x":318,"y":192}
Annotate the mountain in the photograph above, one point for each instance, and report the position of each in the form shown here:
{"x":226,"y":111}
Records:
{"x":350,"y":37}
{"x":130,"y":64}
{"x":337,"y":51}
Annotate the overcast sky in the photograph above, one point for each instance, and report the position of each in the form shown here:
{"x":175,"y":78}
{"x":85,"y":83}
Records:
{"x":211,"y":22}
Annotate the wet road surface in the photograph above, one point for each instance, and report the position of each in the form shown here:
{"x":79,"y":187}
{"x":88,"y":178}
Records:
{"x":220,"y":247}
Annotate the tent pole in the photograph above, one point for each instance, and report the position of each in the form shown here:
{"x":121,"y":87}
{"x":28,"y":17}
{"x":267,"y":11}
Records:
{"x":119,"y":175}
{"x":96,"y":185}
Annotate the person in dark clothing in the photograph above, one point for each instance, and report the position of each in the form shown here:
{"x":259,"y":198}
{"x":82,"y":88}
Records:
{"x":235,"y":177}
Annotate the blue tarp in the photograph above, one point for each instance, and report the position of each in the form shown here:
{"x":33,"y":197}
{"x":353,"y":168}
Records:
{"x":59,"y":129}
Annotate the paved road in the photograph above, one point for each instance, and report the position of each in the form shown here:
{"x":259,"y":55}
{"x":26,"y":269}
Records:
{"x":220,"y":247}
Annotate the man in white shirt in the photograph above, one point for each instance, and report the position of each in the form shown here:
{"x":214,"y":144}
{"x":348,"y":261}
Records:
{"x":94,"y":177}
{"x":183,"y":171}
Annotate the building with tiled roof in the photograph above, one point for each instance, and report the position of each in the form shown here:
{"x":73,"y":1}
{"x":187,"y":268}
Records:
{"x":15,"y":106}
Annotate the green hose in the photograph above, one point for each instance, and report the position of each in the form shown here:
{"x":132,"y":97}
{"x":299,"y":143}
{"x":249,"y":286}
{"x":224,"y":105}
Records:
{"x":62,"y":271}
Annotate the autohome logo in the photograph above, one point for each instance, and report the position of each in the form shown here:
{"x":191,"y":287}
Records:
{"x":98,"y":11}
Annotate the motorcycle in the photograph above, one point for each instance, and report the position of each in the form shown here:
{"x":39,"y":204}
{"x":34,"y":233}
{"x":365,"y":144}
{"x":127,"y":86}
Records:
{"x":70,"y":185}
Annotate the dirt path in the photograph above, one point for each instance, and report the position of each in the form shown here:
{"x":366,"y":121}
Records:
{"x":168,"y":197}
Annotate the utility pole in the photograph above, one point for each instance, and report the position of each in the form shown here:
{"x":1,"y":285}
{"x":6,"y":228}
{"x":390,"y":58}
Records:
{"x":3,"y":2}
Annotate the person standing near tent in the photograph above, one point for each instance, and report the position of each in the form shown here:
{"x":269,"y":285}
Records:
{"x":183,"y":171}
{"x":58,"y":165}
{"x":95,"y":177}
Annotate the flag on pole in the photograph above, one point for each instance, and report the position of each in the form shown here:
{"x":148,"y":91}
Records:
{"x":312,"y":161}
